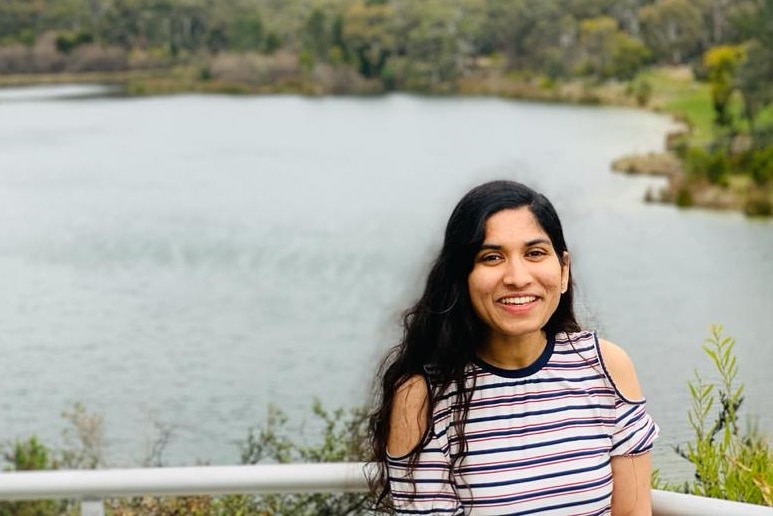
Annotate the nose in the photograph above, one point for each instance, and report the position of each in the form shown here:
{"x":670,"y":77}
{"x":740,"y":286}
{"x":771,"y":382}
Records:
{"x":517,"y":273}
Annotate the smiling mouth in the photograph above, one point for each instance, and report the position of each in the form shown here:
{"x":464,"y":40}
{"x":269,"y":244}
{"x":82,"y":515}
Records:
{"x":518,"y":300}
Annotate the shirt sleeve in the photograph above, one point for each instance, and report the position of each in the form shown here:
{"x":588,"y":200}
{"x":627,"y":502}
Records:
{"x":635,"y":431}
{"x":426,"y":489}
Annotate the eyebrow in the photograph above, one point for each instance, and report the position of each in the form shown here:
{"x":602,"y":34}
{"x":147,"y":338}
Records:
{"x":528,"y":243}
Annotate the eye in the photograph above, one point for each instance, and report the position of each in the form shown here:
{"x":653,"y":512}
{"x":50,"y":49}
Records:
{"x":536,"y":253}
{"x":490,"y":258}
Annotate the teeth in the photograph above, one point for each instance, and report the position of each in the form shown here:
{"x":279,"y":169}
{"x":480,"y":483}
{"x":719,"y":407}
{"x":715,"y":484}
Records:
{"x":520,"y":300}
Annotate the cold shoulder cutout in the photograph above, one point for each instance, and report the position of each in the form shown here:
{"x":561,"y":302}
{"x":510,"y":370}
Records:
{"x":620,"y":370}
{"x":408,"y":419}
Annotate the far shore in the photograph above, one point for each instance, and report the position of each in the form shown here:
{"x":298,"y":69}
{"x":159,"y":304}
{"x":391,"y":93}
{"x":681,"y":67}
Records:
{"x":668,"y":165}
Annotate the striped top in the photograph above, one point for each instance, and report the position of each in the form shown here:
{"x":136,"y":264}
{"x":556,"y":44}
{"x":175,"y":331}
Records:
{"x":539,"y":439}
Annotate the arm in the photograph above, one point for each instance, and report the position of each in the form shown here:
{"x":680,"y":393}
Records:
{"x":631,"y":485}
{"x":631,"y":474}
{"x":427,"y":487}
{"x":408,"y":420}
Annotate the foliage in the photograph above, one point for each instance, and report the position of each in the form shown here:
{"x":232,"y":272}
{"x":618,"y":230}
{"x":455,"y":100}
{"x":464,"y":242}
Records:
{"x":672,"y":29}
{"x":65,"y":43}
{"x":721,"y":64}
{"x":755,"y":77}
{"x":758,"y":206}
{"x":675,"y":91}
{"x":641,"y":89}
{"x":609,"y":52}
{"x":29,"y":455}
{"x":246,"y":32}
{"x":427,"y":45}
{"x":728,"y":464}
{"x":343,"y":439}
{"x":683,"y":198}
{"x":83,"y":445}
{"x":340,"y":437}
{"x":712,"y":165}
{"x":367,"y":33}
{"x":84,"y":439}
{"x":761,"y":165}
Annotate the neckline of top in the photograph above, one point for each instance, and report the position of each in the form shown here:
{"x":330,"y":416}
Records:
{"x":522,"y":372}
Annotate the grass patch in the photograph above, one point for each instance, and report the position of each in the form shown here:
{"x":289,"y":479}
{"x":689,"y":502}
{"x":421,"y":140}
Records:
{"x":675,"y":91}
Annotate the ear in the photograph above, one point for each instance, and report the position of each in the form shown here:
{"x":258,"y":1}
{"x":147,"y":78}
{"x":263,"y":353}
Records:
{"x":566,"y":262}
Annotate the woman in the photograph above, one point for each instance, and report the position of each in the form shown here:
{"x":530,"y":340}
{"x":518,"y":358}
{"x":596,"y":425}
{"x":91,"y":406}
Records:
{"x":495,"y":401}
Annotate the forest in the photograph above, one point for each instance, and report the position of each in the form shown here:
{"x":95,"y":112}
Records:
{"x":593,"y":51}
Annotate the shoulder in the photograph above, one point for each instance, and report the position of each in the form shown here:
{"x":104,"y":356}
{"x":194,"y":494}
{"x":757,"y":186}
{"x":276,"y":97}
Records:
{"x":412,"y":392}
{"x":408,"y":419}
{"x":620,"y":369}
{"x":575,"y":337}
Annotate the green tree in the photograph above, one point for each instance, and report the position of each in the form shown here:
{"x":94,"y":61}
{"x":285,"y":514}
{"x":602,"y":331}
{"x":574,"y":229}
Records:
{"x":552,"y":41}
{"x":716,"y":19}
{"x":317,"y":35}
{"x":510,"y":24}
{"x":626,"y":12}
{"x":368,"y":36}
{"x":435,"y":40}
{"x":673,"y":29}
{"x":246,"y":32}
{"x":754,"y":21}
{"x":721,"y":65}
{"x":607,"y":51}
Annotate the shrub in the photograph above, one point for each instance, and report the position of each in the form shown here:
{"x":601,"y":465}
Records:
{"x":641,"y":89}
{"x":728,"y":464}
{"x":94,"y":58}
{"x":45,"y":57}
{"x":27,"y":456}
{"x":15,"y":59}
{"x":256,"y":69}
{"x":343,"y":440}
{"x":712,"y":165}
{"x":683,"y":197}
{"x":761,"y":165}
{"x":65,"y":43}
{"x":84,"y":439}
{"x":758,"y":205}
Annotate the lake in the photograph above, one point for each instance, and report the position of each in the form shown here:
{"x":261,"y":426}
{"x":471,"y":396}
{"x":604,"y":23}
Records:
{"x":186,"y":261}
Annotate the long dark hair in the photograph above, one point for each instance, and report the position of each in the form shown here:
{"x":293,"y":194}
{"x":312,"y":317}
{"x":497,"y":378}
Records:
{"x":441,"y":331}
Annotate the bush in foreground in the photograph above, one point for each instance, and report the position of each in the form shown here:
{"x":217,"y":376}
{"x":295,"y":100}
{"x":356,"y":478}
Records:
{"x":729,"y":464}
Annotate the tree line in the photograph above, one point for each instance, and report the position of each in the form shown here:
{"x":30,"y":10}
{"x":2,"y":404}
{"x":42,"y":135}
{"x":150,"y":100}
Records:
{"x":400,"y":43}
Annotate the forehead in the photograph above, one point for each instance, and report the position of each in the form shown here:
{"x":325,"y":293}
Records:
{"x":514,"y":224}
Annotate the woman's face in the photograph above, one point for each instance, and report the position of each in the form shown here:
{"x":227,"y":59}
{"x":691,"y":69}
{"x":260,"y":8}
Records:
{"x":516,"y":279}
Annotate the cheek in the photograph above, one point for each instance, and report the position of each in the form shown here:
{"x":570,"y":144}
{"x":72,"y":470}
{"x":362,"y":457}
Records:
{"x":553,"y":278}
{"x":478,"y":288}
{"x":478,"y":282}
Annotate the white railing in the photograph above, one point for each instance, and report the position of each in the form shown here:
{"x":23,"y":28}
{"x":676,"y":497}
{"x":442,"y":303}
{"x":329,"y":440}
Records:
{"x":92,"y":486}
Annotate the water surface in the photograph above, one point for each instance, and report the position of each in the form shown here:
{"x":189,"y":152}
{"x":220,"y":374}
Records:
{"x":189,"y":260}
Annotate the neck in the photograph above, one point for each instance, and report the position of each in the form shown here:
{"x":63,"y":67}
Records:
{"x":513,"y":352}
